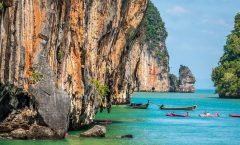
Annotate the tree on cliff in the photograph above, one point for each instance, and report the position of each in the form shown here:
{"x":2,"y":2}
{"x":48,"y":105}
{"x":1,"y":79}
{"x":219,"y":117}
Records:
{"x":156,"y":32}
{"x":154,"y":25}
{"x":226,"y":76}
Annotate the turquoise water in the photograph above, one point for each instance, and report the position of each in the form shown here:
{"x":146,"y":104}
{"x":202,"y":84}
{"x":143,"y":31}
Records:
{"x":152,"y":127}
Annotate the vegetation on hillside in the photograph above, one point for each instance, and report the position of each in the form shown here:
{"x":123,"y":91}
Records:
{"x":1,"y":5}
{"x":102,"y":89}
{"x":226,"y":76}
{"x":154,"y":25}
{"x":155,"y":32}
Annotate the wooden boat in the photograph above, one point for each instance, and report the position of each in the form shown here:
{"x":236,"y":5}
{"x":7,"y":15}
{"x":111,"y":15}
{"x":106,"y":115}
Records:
{"x":162,"y":107}
{"x":139,"y":105}
{"x":177,"y":115}
{"x":102,"y":122}
{"x":207,"y":114}
{"x":234,"y":115}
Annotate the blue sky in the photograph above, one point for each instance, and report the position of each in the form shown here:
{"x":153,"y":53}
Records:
{"x":197,"y":31}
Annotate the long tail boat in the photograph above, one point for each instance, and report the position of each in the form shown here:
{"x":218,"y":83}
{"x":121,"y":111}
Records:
{"x":234,"y":115}
{"x":177,"y":115}
{"x":139,"y":105}
{"x":162,"y":107}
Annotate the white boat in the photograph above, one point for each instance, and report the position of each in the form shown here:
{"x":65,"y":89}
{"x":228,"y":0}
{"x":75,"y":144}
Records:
{"x":207,"y":114}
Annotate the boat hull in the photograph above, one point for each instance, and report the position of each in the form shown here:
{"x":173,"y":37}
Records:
{"x":144,"y":106}
{"x":202,"y":115}
{"x":235,"y":115}
{"x":176,"y":115}
{"x":191,"y":108}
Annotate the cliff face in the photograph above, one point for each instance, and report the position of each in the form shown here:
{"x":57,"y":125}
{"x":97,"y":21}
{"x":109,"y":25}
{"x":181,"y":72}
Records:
{"x":51,"y":50}
{"x":173,"y":83}
{"x":151,"y":74}
{"x":149,"y":53}
{"x":186,"y":80}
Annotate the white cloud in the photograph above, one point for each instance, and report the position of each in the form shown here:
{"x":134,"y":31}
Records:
{"x":177,"y":10}
{"x":208,"y":32}
{"x":219,"y":22}
{"x":223,"y":23}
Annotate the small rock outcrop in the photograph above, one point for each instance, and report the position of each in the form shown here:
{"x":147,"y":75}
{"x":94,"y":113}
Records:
{"x":22,"y":116}
{"x":186,"y":80}
{"x":96,"y":131}
{"x":185,"y":83}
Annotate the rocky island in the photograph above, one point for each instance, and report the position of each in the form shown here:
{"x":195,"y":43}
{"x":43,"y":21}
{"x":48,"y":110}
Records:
{"x":185,"y":82}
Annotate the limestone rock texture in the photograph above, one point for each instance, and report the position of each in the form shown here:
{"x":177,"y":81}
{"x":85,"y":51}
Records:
{"x":149,"y":63}
{"x":173,"y":83}
{"x":96,"y":131}
{"x":186,"y":80}
{"x":50,"y":50}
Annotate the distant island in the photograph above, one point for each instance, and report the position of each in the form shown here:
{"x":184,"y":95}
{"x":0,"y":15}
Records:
{"x":226,"y":76}
{"x":185,"y":83}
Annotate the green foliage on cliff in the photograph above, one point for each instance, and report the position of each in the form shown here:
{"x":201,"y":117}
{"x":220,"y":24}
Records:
{"x":162,"y":56}
{"x":60,"y":55}
{"x":154,"y":25}
{"x":101,"y":88}
{"x":155,"y":32}
{"x":1,"y":6}
{"x":36,"y":76}
{"x":226,"y":76}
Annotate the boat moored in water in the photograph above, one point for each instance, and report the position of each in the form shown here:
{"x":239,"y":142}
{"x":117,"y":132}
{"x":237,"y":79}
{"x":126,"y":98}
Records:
{"x":177,"y":115}
{"x":139,"y":105}
{"x":234,"y":115}
{"x":207,"y":114}
{"x":191,"y":108}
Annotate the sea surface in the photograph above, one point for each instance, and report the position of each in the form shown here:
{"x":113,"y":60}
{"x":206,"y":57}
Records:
{"x":152,"y":127}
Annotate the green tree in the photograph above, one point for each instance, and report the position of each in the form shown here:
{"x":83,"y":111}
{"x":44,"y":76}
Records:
{"x":226,"y":76}
{"x":154,"y":25}
{"x":102,"y":89}
{"x":155,"y":32}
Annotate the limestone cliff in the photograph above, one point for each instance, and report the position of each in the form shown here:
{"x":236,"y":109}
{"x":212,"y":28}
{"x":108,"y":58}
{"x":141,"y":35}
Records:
{"x":49,"y":53}
{"x":149,"y":55}
{"x":186,"y":80}
{"x":185,"y":83}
